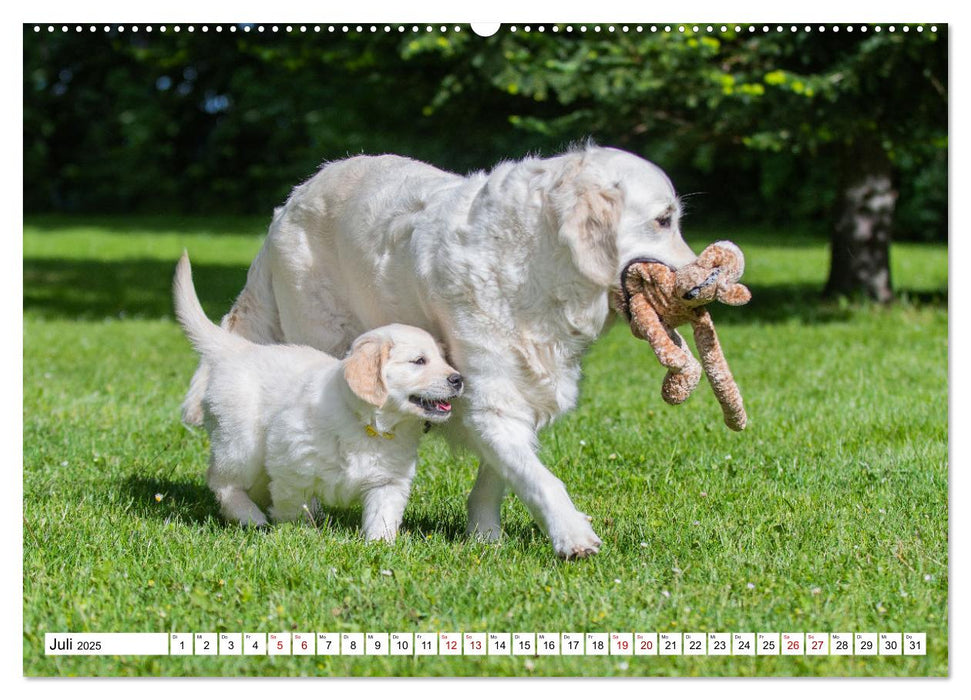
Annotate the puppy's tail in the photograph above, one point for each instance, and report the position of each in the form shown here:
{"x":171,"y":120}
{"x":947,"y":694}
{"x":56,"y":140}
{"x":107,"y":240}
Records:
{"x":206,"y":337}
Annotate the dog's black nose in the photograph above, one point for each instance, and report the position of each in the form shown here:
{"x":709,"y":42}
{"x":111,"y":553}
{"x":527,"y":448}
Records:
{"x":455,"y":380}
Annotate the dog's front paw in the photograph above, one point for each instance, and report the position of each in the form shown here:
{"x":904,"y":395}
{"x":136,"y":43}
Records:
{"x":577,"y":541}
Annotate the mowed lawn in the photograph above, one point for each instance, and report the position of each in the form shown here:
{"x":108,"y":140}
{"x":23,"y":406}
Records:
{"x":829,"y":513}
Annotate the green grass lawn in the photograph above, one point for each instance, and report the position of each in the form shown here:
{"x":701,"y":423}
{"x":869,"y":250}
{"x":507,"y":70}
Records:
{"x":829,"y":513}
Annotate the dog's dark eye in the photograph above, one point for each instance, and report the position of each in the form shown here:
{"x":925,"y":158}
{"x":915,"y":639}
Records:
{"x":663,"y":221}
{"x":419,"y":361}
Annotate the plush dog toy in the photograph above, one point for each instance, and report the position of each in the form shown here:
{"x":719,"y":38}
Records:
{"x":658,"y":299}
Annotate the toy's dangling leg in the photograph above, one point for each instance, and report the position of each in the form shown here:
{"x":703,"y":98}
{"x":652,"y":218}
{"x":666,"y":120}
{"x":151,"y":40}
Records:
{"x":719,"y":375}
{"x":681,"y":382}
{"x":672,"y":352}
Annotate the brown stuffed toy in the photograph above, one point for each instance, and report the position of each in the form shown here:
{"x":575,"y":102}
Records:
{"x":658,"y":299}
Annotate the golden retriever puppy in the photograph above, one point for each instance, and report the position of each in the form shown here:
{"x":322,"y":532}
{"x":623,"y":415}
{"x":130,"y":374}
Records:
{"x":289,"y":424}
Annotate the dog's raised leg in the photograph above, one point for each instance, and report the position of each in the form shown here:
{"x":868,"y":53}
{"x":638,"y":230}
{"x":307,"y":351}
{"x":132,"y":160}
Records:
{"x":509,"y":446}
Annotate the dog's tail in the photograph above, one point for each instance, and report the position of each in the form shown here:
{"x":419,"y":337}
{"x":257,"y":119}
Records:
{"x":206,"y":337}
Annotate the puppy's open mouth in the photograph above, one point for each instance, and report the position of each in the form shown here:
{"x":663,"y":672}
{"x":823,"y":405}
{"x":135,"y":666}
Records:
{"x":432,"y":407}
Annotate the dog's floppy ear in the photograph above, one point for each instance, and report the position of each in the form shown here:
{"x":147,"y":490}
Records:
{"x":588,"y":215}
{"x":364,"y":370}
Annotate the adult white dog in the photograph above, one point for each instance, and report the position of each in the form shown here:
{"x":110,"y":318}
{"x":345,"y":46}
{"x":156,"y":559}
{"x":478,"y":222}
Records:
{"x":511,"y":269}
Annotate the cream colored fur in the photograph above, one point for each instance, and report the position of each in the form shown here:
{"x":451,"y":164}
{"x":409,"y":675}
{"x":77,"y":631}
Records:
{"x":289,"y":424}
{"x":509,"y":268}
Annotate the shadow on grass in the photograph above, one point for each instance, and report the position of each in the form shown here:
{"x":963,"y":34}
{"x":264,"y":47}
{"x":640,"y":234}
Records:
{"x":152,"y":225}
{"x":449,"y":525}
{"x":191,"y":501}
{"x":80,"y":289}
{"x":183,"y":499}
{"x":805,"y":303}
{"x":62,"y":288}
{"x":699,"y":235}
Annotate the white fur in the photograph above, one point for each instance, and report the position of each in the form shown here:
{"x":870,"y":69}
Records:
{"x":289,"y":424}
{"x":510,"y":268}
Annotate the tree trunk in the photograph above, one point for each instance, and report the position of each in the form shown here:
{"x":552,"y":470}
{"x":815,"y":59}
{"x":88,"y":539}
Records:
{"x":860,"y":263}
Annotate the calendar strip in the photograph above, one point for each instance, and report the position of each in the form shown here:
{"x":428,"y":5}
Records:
{"x":106,"y":644}
{"x":487,"y":644}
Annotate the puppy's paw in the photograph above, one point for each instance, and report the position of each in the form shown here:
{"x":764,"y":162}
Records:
{"x":577,"y":541}
{"x":254,"y":520}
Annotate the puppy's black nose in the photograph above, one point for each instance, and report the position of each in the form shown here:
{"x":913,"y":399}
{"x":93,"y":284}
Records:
{"x":455,"y":380}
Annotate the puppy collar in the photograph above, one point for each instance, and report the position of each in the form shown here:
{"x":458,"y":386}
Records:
{"x":373,"y":432}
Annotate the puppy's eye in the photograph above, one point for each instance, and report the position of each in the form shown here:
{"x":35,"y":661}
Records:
{"x":663,"y":221}
{"x":419,"y":361}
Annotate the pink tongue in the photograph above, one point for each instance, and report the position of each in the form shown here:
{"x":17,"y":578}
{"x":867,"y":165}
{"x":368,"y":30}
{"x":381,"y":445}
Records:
{"x":443,"y":406}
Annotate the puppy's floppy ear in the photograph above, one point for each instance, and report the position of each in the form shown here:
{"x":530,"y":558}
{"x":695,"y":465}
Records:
{"x":364,"y":370}
{"x":588,"y":215}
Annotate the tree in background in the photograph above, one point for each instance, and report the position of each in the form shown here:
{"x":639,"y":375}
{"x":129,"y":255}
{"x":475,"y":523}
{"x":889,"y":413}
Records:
{"x":850,"y":128}
{"x":845,"y":111}
{"x":229,"y":122}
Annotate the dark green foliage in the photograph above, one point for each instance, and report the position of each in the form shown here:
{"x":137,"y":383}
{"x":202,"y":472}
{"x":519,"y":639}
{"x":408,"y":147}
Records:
{"x":227,"y":122}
